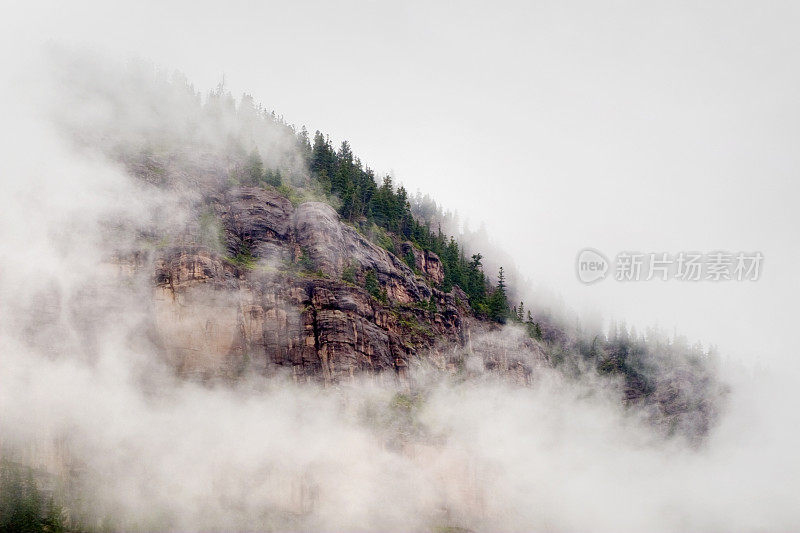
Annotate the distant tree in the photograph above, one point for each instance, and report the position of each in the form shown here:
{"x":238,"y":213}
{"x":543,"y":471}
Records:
{"x":363,"y":201}
{"x":273,"y":177}
{"x":498,"y":303}
{"x":349,"y":273}
{"x":324,"y":181}
{"x":410,"y":259}
{"x":304,"y":143}
{"x":23,"y":506}
{"x":371,"y":284}
{"x":323,"y":158}
{"x":254,"y":168}
{"x":533,"y":328}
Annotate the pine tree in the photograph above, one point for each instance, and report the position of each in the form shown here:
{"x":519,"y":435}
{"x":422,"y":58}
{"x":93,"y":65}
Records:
{"x":274,"y":178}
{"x":323,"y":159}
{"x":304,"y":142}
{"x":254,"y":168}
{"x":498,"y":303}
{"x":363,"y":199}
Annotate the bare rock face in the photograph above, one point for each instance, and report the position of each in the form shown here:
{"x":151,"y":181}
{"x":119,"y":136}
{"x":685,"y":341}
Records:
{"x":426,"y":262}
{"x":256,"y":218}
{"x":332,"y":246}
{"x":191,"y":266}
{"x":287,"y":309}
{"x":216,"y":321}
{"x":317,"y":229}
{"x":684,"y":399}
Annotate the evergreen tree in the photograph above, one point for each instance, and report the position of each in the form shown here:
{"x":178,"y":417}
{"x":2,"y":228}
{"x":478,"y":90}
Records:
{"x":274,"y":178}
{"x":254,"y":168}
{"x":498,"y":303}
{"x":304,"y":143}
{"x":364,"y":201}
{"x":371,"y":284}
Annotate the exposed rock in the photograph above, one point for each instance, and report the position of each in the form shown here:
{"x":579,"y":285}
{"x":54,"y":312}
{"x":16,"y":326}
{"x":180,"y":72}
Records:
{"x":459,"y":297}
{"x":181,"y":268}
{"x":215,"y":323}
{"x":333,"y":245}
{"x":318,"y":231}
{"x":259,"y":219}
{"x":290,"y":311}
{"x":426,"y":262}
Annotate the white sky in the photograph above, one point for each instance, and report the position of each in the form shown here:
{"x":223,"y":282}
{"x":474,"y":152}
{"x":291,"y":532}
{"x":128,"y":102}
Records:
{"x":651,"y":126}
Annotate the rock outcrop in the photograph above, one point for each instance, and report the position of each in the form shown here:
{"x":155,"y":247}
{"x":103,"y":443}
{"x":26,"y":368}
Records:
{"x":256,"y":220}
{"x":290,"y":309}
{"x":290,"y":294}
{"x":426,"y":262}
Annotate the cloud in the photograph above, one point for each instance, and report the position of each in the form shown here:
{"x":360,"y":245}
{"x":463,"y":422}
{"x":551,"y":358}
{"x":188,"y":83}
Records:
{"x":85,"y":389}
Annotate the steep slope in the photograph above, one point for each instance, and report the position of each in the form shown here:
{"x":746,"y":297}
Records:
{"x":209,"y":340}
{"x":273,"y":250}
{"x":314,"y":297}
{"x":289,"y":306}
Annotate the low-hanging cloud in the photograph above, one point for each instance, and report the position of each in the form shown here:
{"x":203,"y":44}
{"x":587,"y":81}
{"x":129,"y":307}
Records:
{"x":85,"y":389}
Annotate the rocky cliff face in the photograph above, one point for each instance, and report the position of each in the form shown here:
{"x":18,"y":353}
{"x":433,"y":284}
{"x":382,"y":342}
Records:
{"x":289,"y":307}
{"x":290,"y":293}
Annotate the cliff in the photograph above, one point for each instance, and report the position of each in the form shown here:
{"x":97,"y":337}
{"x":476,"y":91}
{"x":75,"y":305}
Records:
{"x":295,"y":289}
{"x":288,"y":306}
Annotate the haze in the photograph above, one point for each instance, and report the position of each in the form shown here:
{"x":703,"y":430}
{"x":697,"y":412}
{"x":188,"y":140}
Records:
{"x":620,"y":125}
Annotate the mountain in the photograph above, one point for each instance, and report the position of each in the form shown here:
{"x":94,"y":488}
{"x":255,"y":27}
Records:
{"x":314,"y":296}
{"x":238,"y":250}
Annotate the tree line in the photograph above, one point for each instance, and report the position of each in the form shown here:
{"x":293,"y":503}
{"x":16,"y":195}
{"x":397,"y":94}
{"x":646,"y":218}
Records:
{"x":363,"y":201}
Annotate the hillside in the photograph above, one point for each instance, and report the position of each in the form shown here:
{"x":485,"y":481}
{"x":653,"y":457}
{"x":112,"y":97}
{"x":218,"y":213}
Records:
{"x":236,"y":255}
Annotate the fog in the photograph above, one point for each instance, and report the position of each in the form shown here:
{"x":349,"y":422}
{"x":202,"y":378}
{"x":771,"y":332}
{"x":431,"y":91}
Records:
{"x":627,"y":126}
{"x":78,"y":378}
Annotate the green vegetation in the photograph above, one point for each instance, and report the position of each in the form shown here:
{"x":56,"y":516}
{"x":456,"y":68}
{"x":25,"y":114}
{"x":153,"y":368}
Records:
{"x":252,"y":172}
{"x":292,"y":194}
{"x":498,"y":300}
{"x":305,"y":262}
{"x":410,"y":260}
{"x":432,"y":305}
{"x":411,"y":324}
{"x":427,"y":305}
{"x":363,"y":201}
{"x":374,"y":288}
{"x":373,"y":204}
{"x":349,"y":273}
{"x":533,"y":328}
{"x":404,"y":411}
{"x":24,"y":507}
{"x":244,"y":257}
{"x":380,"y":237}
{"x":306,"y":267}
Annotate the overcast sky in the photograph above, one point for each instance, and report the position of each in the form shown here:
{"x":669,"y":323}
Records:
{"x":648,"y":126}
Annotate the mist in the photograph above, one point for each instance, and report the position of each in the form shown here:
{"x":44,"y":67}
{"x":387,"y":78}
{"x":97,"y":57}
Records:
{"x":85,"y":386}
